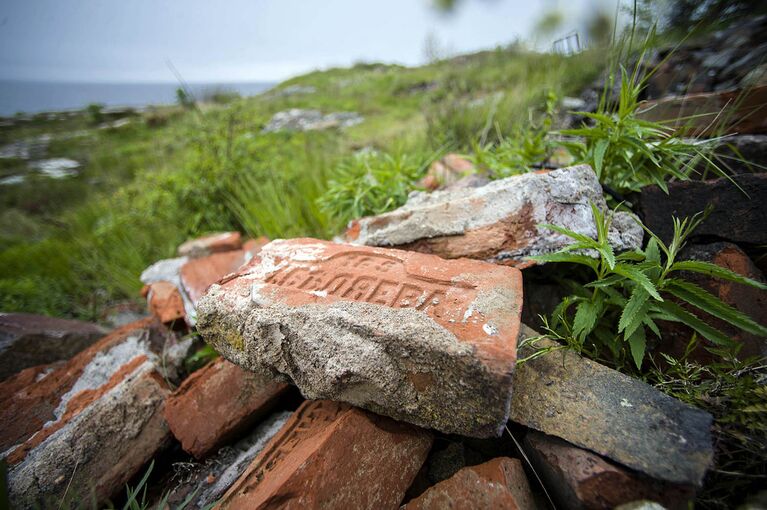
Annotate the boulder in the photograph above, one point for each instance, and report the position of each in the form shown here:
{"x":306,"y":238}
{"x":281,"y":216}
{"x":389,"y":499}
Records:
{"x":579,"y":479}
{"x":500,"y":221}
{"x":89,"y":425}
{"x":411,"y":336}
{"x":627,"y":421}
{"x":499,"y":483}
{"x":217,"y":403}
{"x":27,"y":340}
{"x":331,"y":455}
{"x":739,"y":215}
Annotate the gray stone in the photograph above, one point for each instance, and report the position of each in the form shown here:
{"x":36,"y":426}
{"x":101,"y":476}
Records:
{"x":297,"y":119}
{"x":27,"y":340}
{"x":625,"y":420}
{"x":500,"y":220}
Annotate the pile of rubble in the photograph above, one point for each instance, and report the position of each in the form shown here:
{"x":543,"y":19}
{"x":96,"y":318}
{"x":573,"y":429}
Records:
{"x":403,"y":339}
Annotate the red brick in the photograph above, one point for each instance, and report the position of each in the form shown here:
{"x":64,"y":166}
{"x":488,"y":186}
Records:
{"x":216,"y":403}
{"x":213,"y":243}
{"x":165,"y":302}
{"x":198,"y":274}
{"x":449,"y":329}
{"x":499,"y":483}
{"x":330,"y":455}
{"x":736,"y":111}
{"x":253,"y":246}
{"x":578,"y":478}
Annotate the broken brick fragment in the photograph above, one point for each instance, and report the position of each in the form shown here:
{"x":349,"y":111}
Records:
{"x":198,"y":274}
{"x":498,"y":483}
{"x":331,"y":455}
{"x":408,"y":335}
{"x":216,"y":403}
{"x":165,"y":302}
{"x":578,"y":478}
{"x":214,"y":243}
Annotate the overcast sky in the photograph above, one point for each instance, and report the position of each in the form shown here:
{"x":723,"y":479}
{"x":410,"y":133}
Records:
{"x":240,"y":40}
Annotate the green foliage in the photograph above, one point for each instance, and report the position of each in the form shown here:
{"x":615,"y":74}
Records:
{"x":95,"y":113}
{"x":184,"y":98}
{"x":371,"y":183}
{"x":733,"y":391}
{"x":137,"y":497}
{"x":526,"y":146}
{"x":618,"y":309}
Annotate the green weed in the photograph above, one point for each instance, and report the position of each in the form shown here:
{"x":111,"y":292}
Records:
{"x":631,"y":291}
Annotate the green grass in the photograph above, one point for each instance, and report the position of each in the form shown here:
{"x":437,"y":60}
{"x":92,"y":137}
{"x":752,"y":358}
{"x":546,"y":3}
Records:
{"x":71,"y":246}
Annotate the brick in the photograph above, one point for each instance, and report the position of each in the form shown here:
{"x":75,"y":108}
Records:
{"x":727,"y":111}
{"x":27,"y":340}
{"x":330,"y":455}
{"x":217,"y":403}
{"x":165,"y":302}
{"x":594,"y":407}
{"x":737,"y":217}
{"x":578,"y":478}
{"x":446,"y":171}
{"x":498,"y":483}
{"x":198,"y":274}
{"x":411,"y":336}
{"x":108,"y":398}
{"x":746,"y":299}
{"x":214,"y":243}
{"x":498,"y":222}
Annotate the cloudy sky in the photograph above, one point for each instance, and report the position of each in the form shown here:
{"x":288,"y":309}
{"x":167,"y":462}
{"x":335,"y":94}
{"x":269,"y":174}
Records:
{"x":241,"y":40}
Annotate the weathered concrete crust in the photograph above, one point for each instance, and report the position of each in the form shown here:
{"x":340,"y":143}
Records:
{"x":445,"y":365}
{"x":499,"y":221}
{"x":617,"y":416}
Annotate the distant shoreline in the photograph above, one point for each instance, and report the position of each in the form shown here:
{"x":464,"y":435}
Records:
{"x":36,"y":97}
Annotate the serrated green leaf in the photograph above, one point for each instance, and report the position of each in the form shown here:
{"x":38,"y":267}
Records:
{"x":712,"y":305}
{"x":647,"y":321}
{"x":607,"y":254}
{"x":698,"y":266}
{"x":586,"y":315}
{"x":566,"y":257}
{"x":652,"y":252}
{"x":606,"y":282}
{"x":681,"y":315}
{"x":633,"y":312}
{"x":638,"y":277}
{"x":638,"y":343}
{"x":633,"y":255}
{"x":599,"y":154}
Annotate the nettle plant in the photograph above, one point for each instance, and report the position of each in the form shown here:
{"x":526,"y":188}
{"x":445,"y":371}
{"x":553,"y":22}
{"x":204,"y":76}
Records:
{"x":631,"y":291}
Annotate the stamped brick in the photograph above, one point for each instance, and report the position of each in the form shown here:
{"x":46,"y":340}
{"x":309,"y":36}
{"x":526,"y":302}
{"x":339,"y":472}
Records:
{"x":498,"y":483}
{"x":499,"y":222}
{"x":331,"y":455}
{"x":214,"y":243}
{"x":412,"y":336}
{"x":218,"y":402}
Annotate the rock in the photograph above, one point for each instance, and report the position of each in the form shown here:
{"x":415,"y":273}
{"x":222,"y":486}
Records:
{"x":498,"y":222}
{"x":27,"y":340}
{"x":499,"y":483}
{"x":750,"y":148}
{"x":446,"y":172}
{"x":296,"y":119}
{"x":407,"y":335}
{"x":330,"y":455}
{"x":736,"y":217}
{"x":747,"y":299}
{"x":217,"y":403}
{"x":121,"y":313}
{"x":640,"y":505}
{"x":90,"y":424}
{"x":579,"y":479}
{"x":56,"y":168}
{"x":214,"y":243}
{"x":734,"y":111}
{"x":629,"y":422}
{"x":165,"y":301}
{"x":206,"y":483}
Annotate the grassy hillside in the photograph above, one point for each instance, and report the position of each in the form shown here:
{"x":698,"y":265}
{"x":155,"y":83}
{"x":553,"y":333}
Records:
{"x":71,"y":246}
